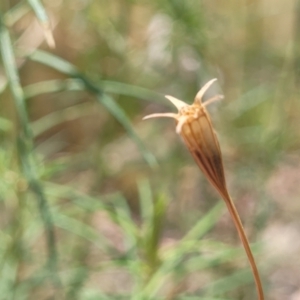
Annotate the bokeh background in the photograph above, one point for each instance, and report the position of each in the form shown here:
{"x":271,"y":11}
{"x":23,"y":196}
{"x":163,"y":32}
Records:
{"x":96,"y":203}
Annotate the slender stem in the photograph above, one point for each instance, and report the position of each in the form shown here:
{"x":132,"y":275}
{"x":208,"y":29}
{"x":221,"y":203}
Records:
{"x":239,"y":226}
{"x":25,"y":147}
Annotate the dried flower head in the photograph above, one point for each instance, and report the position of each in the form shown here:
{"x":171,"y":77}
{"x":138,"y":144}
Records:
{"x":195,"y":127}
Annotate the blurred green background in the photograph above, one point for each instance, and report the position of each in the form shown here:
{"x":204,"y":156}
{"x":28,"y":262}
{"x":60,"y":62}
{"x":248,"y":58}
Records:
{"x":96,"y":203}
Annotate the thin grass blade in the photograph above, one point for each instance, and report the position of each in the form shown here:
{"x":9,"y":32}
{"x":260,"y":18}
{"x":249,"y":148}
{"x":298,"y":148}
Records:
{"x":104,"y":99}
{"x":42,"y":16}
{"x":110,"y":104}
{"x":174,"y":257}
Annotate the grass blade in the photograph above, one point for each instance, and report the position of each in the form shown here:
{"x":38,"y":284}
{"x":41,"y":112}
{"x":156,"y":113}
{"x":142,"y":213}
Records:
{"x":114,"y":87}
{"x":15,"y":13}
{"x":104,"y":99}
{"x":54,"y":62}
{"x":10,"y":67}
{"x":184,"y":246}
{"x":42,"y":16}
{"x":110,"y":104}
{"x":25,"y":148}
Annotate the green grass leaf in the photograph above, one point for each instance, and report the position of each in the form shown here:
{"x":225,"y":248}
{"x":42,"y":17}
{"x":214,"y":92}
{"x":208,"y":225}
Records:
{"x":104,"y":99}
{"x":41,"y":14}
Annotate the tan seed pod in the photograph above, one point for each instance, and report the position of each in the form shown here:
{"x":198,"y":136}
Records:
{"x":195,"y":127}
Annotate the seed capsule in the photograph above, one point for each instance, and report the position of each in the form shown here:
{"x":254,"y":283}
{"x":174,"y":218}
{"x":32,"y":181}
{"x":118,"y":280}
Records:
{"x":195,"y":127}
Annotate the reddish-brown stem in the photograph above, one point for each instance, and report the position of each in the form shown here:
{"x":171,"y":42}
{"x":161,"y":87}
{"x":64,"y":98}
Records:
{"x":239,"y":226}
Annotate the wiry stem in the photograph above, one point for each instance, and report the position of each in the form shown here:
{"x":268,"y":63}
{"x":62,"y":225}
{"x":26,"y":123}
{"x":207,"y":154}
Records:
{"x":239,"y":226}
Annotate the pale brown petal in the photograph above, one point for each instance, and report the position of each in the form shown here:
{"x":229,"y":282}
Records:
{"x":161,"y":115}
{"x":178,"y":103}
{"x":200,"y":94}
{"x":213,"y":99}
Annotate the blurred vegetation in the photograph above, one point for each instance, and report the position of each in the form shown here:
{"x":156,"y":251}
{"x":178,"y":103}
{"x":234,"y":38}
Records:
{"x":95,"y":203}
